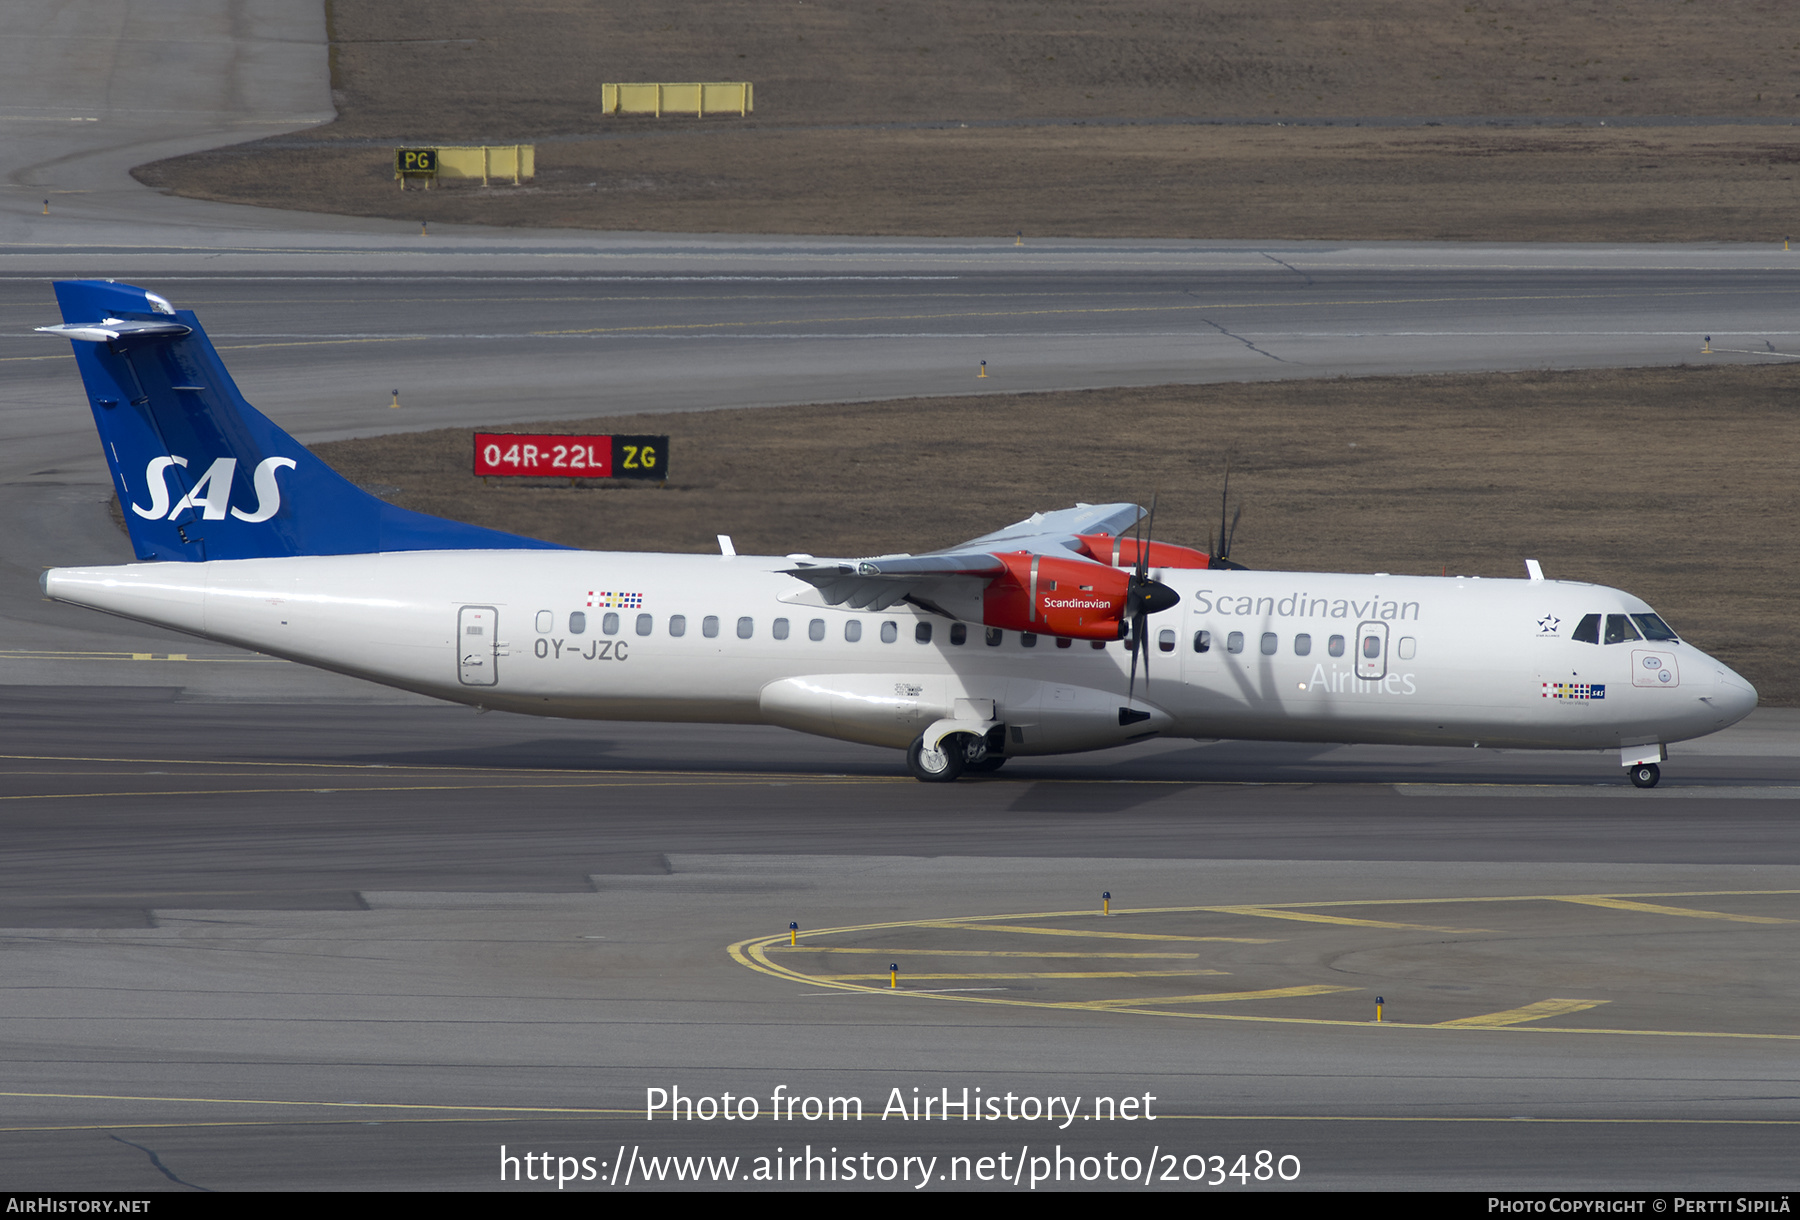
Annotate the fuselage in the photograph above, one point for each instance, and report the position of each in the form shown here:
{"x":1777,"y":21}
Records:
{"x":730,"y":639}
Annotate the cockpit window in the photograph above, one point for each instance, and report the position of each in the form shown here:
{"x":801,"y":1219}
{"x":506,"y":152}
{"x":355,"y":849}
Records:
{"x":1653,"y":627}
{"x":1587,"y":631}
{"x":1619,"y":629}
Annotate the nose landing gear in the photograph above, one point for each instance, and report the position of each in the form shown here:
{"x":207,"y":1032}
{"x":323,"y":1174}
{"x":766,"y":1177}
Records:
{"x":1645,"y":775}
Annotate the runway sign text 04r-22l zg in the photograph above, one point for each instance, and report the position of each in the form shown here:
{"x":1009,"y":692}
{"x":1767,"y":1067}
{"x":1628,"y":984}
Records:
{"x":551,"y":455}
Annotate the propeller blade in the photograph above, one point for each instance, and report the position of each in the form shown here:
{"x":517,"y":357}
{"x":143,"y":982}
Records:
{"x":1224,"y":503}
{"x":1219,"y":556}
{"x":1144,"y":597}
{"x":1131,"y":689}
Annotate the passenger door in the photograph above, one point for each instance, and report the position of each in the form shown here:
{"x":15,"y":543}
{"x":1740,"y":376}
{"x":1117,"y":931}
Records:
{"x":477,"y":634}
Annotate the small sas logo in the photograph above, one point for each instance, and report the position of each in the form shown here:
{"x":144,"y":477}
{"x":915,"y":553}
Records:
{"x":607,"y":600}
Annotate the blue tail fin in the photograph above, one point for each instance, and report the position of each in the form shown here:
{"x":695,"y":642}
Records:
{"x":201,"y":474}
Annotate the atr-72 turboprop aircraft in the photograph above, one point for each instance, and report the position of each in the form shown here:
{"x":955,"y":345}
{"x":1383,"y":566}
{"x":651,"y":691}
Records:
{"x":1027,"y":641}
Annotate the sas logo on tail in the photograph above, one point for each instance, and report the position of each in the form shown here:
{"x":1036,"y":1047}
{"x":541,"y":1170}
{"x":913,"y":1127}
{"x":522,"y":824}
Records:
{"x":212,"y":494}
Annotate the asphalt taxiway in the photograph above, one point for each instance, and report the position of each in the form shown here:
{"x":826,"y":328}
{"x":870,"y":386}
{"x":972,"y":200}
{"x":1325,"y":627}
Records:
{"x":265,"y":927}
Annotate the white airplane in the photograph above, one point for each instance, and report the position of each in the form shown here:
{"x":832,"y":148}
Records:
{"x":1023,"y":642}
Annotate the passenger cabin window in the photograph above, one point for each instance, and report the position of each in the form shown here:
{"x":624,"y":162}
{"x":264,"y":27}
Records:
{"x":1372,"y":647}
{"x":852,"y":630}
{"x":709,"y":626}
{"x":815,"y":630}
{"x":779,"y":629}
{"x":1234,"y":642}
{"x":1303,"y":645}
{"x":890,"y":631}
{"x":1587,"y":631}
{"x":1063,"y":641}
{"x":610,"y":624}
{"x":678,"y":625}
{"x":922,"y":633}
{"x":577,"y":623}
{"x":1408,"y":647}
{"x":993,"y":637}
{"x":645,"y":624}
{"x":1027,"y":639}
{"x":1165,"y":640}
{"x":746,"y":628}
{"x":1097,"y":645}
{"x":1335,"y":645}
{"x":1202,"y":641}
{"x":959,"y":633}
{"x":1619,"y":629}
{"x":1270,"y":642}
{"x":546,"y":622}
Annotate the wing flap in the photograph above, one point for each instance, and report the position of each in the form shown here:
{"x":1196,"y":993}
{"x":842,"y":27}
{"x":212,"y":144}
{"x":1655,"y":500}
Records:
{"x":876,"y":584}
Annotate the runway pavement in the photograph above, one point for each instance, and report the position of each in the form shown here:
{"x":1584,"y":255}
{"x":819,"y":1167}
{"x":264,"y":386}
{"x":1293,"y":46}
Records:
{"x":270,"y":928}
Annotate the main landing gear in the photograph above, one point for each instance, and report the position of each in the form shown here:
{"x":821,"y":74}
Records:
{"x":1645,"y":775}
{"x":957,"y":753}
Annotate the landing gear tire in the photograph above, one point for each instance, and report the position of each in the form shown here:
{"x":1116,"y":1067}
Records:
{"x":939,"y":766}
{"x":1645,"y":775}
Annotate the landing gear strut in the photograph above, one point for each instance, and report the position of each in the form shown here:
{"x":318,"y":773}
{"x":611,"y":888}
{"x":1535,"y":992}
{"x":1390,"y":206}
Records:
{"x":1645,"y":775}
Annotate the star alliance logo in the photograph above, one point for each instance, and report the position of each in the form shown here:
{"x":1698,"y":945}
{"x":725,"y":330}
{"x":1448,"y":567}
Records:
{"x":1548,"y":624}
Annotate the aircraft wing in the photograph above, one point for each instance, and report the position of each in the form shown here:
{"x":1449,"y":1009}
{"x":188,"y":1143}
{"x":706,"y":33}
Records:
{"x":1042,"y":533}
{"x":963,"y":571}
{"x":876,"y":584}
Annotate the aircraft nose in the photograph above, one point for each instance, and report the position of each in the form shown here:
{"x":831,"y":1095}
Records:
{"x":1736,"y":698}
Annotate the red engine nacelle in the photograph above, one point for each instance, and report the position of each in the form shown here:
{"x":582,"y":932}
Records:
{"x":1122,"y":552}
{"x":1052,"y":596}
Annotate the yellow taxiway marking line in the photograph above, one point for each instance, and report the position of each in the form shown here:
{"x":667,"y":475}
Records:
{"x":974,"y":952}
{"x":1034,"y":974}
{"x":1014,"y":928}
{"x":446,"y":768}
{"x":1401,"y":902}
{"x":385,"y":1120}
{"x":1192,"y":1118}
{"x":754,"y":952}
{"x":1218,"y":997}
{"x":498,"y":786}
{"x":1651,"y":908}
{"x":339,"y":1105}
{"x":28,"y":654}
{"x":1309,"y":917}
{"x":1517,"y":1016}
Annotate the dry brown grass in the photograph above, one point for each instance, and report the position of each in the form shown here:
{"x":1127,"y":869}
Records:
{"x":1674,"y":483}
{"x":1439,"y":184}
{"x":459,"y":71}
